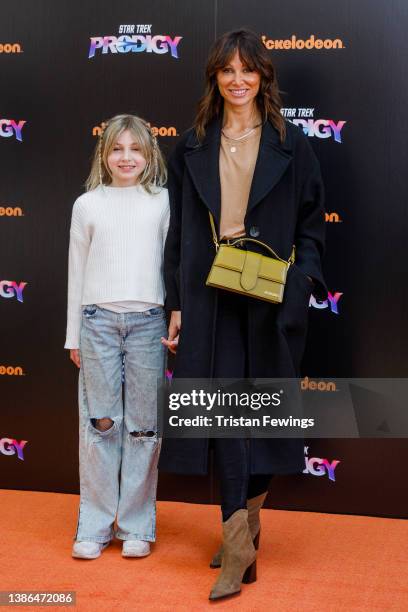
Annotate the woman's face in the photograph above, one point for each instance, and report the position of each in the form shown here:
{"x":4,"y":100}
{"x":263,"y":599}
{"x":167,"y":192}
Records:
{"x":237,"y":84}
{"x":125,"y":160}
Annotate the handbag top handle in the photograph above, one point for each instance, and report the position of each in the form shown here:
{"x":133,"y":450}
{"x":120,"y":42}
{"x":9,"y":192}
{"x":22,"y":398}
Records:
{"x":291,"y":259}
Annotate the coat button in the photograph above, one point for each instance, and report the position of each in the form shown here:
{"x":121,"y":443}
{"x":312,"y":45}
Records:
{"x":254,"y":231}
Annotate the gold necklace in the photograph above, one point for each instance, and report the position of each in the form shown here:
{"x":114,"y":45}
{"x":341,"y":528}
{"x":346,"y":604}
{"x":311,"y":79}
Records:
{"x":233,"y":149}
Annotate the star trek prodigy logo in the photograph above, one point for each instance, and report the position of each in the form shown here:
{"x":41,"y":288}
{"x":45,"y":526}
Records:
{"x":135,"y":39}
{"x":11,"y":289}
{"x":312,"y":127}
{"x":317,"y":466}
{"x":331,"y":302}
{"x":11,"y":446}
{"x":11,"y":128}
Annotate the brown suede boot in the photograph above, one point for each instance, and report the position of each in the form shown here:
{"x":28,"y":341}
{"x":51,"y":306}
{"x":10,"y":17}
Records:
{"x":254,"y":506}
{"x":239,"y":558}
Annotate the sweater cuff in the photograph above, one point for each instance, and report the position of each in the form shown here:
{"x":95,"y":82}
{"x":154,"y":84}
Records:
{"x":71,"y":346}
{"x":73,"y":332}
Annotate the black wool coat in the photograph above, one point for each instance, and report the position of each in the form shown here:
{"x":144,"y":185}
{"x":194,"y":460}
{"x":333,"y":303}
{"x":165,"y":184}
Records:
{"x":285,"y":207}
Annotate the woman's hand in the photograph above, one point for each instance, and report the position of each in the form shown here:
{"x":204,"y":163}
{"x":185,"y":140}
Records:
{"x":174,"y":331}
{"x":75,"y":357}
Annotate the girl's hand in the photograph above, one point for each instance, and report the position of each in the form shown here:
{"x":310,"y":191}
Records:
{"x":75,"y":357}
{"x":174,"y":331}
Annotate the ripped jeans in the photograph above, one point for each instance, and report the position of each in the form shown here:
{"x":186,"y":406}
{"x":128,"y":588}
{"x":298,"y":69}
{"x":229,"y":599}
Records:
{"x":122,"y":359}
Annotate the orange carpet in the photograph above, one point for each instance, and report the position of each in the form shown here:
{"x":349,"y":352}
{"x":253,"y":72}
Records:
{"x":308,"y":562}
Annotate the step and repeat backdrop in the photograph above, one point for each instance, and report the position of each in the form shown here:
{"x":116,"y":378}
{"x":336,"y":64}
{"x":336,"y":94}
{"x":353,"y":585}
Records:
{"x":65,"y":68}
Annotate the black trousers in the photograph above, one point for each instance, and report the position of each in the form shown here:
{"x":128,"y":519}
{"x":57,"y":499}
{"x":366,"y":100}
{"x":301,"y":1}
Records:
{"x":232,"y":455}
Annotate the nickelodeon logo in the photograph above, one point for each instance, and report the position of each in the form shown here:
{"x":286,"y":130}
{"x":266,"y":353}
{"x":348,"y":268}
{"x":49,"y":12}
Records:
{"x":11,"y":211}
{"x":157,"y":131}
{"x":11,"y":371}
{"x":295,"y":43}
{"x":317,"y":385}
{"x":10,"y":48}
{"x":332,"y":217}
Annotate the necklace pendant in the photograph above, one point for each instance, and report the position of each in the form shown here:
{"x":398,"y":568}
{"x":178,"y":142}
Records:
{"x":233,"y":149}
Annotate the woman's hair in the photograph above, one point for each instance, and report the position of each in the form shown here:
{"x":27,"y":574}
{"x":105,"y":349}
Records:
{"x":254,"y":55}
{"x":154,"y":174}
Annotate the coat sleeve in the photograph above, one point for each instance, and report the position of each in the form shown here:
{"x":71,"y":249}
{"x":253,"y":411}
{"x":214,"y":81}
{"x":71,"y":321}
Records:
{"x":311,"y":225}
{"x":173,"y":240}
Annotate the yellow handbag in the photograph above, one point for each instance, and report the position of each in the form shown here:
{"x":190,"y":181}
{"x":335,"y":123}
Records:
{"x":246,"y":272}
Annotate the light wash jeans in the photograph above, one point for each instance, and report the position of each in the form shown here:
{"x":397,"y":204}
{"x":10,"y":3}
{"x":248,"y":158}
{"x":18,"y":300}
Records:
{"x":118,"y":467}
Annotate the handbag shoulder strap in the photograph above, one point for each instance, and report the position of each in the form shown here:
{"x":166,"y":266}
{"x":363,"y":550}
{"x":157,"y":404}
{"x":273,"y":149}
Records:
{"x":291,"y":259}
{"x":214,"y":232}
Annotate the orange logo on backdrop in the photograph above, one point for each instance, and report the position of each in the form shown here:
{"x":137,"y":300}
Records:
{"x":11,"y":211}
{"x":285,"y":44}
{"x":11,"y":371}
{"x":10,"y":48}
{"x":332,"y":217}
{"x":307,"y":384}
{"x":157,"y":131}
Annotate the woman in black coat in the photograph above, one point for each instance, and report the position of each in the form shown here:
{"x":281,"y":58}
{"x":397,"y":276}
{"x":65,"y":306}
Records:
{"x":213,"y":332}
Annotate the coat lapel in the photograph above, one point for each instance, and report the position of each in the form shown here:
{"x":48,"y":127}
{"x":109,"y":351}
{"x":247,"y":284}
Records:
{"x":202,"y":161}
{"x":273,"y":159}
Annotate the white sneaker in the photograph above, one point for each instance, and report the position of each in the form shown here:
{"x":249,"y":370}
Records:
{"x":135,"y":548}
{"x":88,"y":550}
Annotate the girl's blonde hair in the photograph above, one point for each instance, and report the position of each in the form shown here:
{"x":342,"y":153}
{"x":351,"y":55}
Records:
{"x":155,"y":173}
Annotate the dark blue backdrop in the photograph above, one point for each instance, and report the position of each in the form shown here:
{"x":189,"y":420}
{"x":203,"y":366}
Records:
{"x":347,"y":91}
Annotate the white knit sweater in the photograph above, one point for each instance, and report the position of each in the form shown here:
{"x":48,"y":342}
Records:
{"x":116,"y":250}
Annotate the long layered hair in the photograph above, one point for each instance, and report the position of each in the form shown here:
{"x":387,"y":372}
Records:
{"x":154,"y":174}
{"x":255,"y":56}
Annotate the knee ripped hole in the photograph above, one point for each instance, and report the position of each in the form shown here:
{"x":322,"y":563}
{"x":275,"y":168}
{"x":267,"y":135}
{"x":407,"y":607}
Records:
{"x":102,"y":424}
{"x":143,"y":434}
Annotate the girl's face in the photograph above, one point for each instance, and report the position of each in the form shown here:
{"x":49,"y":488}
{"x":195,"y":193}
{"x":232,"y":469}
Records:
{"x":237,"y":84}
{"x":125,"y":161}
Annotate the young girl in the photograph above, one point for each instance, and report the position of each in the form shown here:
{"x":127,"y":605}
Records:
{"x":115,"y":322}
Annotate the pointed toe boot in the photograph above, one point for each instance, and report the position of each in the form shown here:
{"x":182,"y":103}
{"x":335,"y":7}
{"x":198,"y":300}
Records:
{"x":254,"y":506}
{"x":239,"y":557}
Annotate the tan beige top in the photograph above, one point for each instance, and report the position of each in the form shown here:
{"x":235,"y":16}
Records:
{"x":237,"y":165}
